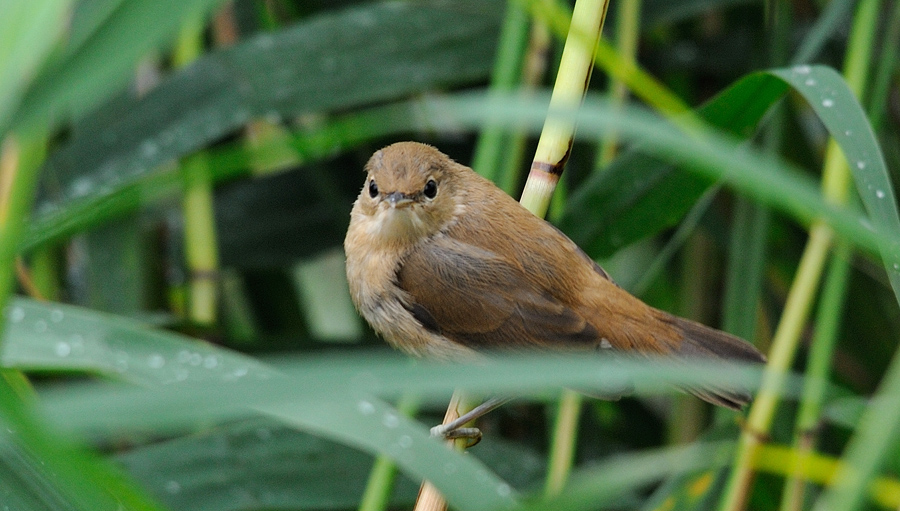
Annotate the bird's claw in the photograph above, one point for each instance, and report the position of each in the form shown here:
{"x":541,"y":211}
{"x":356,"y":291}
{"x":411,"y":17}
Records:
{"x":473,"y":435}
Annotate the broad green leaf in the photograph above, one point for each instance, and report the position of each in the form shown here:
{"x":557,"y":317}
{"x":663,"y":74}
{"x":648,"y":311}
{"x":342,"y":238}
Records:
{"x":40,"y":471}
{"x":261,"y":464}
{"x":87,"y":17}
{"x":57,"y":337}
{"x":307,"y":382}
{"x":600,"y":487}
{"x":64,"y":338}
{"x":340,"y":133}
{"x":28,"y":31}
{"x":638,"y":195}
{"x":359,"y":56}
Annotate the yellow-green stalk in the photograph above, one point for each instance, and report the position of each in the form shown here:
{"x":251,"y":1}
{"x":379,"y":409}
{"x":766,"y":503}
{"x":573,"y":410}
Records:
{"x":201,"y":250}
{"x":377,"y":494}
{"x":628,"y":30}
{"x":550,"y":157}
{"x":571,"y":84}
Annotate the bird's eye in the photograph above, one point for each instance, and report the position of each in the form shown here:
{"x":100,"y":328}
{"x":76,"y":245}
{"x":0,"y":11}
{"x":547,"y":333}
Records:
{"x":430,"y":189}
{"x":373,"y":189}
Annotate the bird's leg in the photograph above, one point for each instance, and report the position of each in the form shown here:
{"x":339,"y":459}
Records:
{"x":454,"y":428}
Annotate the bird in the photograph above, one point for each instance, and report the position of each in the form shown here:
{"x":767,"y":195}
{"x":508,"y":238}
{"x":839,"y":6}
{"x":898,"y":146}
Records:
{"x":445,"y":265}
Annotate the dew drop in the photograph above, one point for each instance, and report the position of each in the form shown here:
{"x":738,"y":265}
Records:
{"x":810,"y":82}
{"x":405,"y":441}
{"x":365,"y":408}
{"x":183,"y":356}
{"x":56,"y":315}
{"x":860,"y":164}
{"x":897,"y":266}
{"x":63,"y":349}
{"x":802,"y":70}
{"x":504,"y":490}
{"x":173,"y":487}
{"x":240,"y":371}
{"x":390,"y":420}
{"x":879,"y":194}
{"x":195,"y":359}
{"x":210,"y":361}
{"x":828,"y":103}
{"x":848,"y":133}
{"x":81,"y":186}
{"x":149,"y":149}
{"x":156,"y":361}
{"x":16,"y":314}
{"x":265,"y":42}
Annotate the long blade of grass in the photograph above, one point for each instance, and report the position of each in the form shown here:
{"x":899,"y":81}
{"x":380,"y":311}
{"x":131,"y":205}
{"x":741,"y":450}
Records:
{"x":28,"y":31}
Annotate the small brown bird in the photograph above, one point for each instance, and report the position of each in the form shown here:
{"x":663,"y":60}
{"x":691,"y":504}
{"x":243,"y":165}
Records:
{"x":444,"y":264}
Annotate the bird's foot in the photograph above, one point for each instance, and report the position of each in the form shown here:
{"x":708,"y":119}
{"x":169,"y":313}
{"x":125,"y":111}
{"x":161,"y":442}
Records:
{"x":449,"y":432}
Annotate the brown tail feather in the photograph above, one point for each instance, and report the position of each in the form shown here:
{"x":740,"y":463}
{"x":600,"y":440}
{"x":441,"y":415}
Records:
{"x":701,"y":341}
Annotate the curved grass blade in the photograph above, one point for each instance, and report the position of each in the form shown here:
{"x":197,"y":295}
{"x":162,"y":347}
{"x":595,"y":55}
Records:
{"x":45,"y":472}
{"x":28,"y":31}
{"x":828,"y":95}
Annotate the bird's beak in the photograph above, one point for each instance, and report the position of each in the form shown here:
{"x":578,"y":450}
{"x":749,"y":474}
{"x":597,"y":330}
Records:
{"x":398,"y":200}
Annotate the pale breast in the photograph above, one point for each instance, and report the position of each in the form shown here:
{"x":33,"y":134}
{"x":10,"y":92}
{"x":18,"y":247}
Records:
{"x":372,"y":277}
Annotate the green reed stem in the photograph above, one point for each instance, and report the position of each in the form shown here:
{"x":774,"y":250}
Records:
{"x":506,"y":77}
{"x":377,"y":494}
{"x":628,"y":31}
{"x":818,"y":368}
{"x":571,"y":84}
{"x":21,"y":155}
{"x":201,"y":248}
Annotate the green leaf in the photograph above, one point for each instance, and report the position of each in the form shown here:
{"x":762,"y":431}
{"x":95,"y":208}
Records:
{"x":40,"y":470}
{"x":638,"y":198}
{"x":706,"y":153}
{"x":639,"y":195}
{"x":28,"y":31}
{"x":359,"y":56}
{"x":261,"y":464}
{"x":56,"y":337}
{"x":827,"y":93}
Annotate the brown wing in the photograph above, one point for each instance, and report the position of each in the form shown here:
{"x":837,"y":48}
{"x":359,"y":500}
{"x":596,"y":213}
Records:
{"x":477,"y":298}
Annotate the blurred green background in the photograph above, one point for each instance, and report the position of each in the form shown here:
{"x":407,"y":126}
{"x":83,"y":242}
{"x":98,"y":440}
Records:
{"x":176,"y":179}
